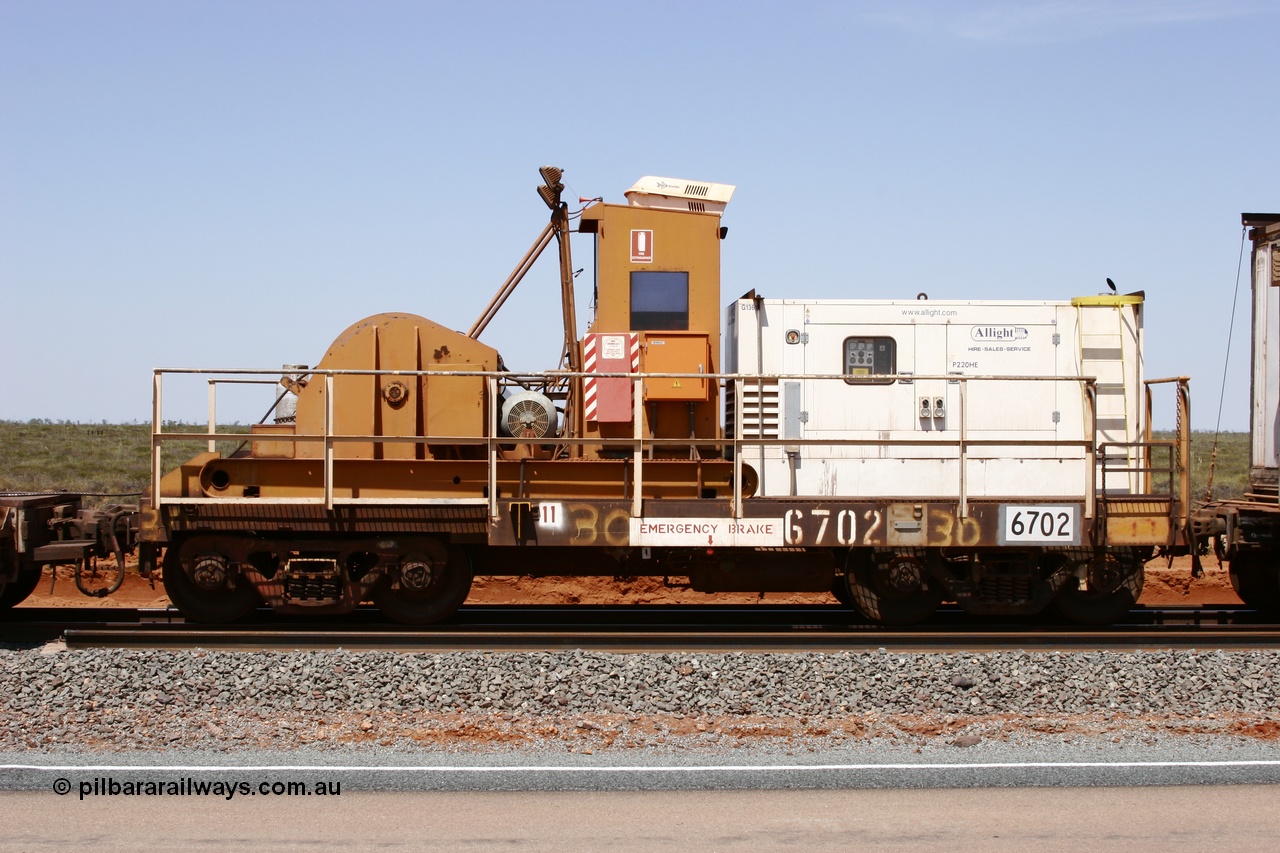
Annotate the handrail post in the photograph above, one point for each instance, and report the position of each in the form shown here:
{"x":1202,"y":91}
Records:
{"x":156,"y":427}
{"x":328,"y":441}
{"x":637,"y":434}
{"x":737,"y":448}
{"x":1145,"y":486}
{"x":1184,"y":450}
{"x":1091,"y":420}
{"x":492,"y":448}
{"x":213,"y":407}
{"x":963,"y":453}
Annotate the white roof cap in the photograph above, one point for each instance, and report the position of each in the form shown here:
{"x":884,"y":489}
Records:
{"x":679,"y":194}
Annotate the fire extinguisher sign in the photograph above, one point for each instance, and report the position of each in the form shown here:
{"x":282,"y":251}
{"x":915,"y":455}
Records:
{"x":641,"y":246}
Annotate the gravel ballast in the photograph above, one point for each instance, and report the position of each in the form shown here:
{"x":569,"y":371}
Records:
{"x":113,"y":700}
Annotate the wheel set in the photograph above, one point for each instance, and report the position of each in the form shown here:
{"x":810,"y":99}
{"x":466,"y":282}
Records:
{"x":414,"y":580}
{"x":905,"y":589}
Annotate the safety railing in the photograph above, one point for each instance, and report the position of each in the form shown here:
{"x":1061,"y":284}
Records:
{"x":640,"y":445}
{"x":1163,"y":465}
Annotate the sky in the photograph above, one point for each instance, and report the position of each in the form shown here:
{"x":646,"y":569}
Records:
{"x":232,"y":184}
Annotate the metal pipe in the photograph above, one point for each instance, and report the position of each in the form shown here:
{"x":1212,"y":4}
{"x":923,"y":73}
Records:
{"x":737,"y":451}
{"x":213,"y":408}
{"x":156,"y":380}
{"x":564,"y":374}
{"x":1184,"y":450}
{"x":570,"y":355}
{"x":963,"y":452}
{"x":1091,"y":453}
{"x":492,"y":388}
{"x":517,"y":275}
{"x":1143,"y":485}
{"x":328,"y":442}
{"x":637,"y":454}
{"x":758,"y":303}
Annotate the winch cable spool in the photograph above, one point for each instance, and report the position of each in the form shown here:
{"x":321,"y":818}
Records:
{"x":1226,"y":360}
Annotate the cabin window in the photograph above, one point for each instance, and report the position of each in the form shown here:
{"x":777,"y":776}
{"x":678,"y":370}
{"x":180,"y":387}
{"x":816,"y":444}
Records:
{"x":866,"y":358}
{"x":659,"y":301}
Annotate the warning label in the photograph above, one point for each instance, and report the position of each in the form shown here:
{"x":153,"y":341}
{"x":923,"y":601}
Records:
{"x":613,"y":347}
{"x":642,"y":246}
{"x":708,"y":532}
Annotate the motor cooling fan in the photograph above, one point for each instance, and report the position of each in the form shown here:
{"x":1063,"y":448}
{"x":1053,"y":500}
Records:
{"x":528,"y":415}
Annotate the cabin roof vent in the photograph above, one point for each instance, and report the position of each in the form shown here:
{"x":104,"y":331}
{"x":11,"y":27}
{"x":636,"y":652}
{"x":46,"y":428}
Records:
{"x":677,"y":194}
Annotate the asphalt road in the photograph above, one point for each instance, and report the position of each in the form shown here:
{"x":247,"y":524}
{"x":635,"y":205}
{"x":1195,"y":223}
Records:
{"x":1177,"y":795}
{"x":1237,"y":818}
{"x":388,"y":770}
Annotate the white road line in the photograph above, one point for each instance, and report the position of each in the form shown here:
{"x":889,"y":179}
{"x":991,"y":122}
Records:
{"x":708,"y":768}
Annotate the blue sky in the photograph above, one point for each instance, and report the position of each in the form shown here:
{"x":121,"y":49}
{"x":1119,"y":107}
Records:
{"x":232,"y":184}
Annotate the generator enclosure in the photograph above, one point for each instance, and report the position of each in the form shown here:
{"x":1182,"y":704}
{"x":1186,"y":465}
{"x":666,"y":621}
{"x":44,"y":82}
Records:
{"x":870,"y":393}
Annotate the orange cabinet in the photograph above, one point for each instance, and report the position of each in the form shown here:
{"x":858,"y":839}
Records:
{"x":675,"y":352}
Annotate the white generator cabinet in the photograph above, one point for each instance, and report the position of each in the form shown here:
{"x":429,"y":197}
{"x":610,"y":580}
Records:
{"x":878,"y":398}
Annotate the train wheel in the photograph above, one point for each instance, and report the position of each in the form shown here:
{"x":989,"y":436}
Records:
{"x":840,"y":589}
{"x":16,"y":591}
{"x":895,"y":593}
{"x":434,"y":581}
{"x":1112,"y":588}
{"x":1257,"y":581}
{"x":208,"y":597}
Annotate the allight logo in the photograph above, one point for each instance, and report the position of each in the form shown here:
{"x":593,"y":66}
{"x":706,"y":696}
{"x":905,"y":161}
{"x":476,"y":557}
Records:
{"x":998,"y":333}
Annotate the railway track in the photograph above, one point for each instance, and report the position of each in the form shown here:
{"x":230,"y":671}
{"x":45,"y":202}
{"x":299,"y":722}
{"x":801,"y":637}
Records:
{"x":655,"y":628}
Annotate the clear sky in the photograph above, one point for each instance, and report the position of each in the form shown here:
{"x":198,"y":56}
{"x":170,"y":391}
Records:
{"x":232,"y":184}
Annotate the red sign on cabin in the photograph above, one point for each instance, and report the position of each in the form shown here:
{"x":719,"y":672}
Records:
{"x":642,"y":246}
{"x":608,"y":399}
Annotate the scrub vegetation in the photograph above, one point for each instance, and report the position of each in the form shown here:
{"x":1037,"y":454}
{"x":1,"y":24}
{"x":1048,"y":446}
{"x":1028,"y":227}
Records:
{"x":41,"y":455}
{"x":108,"y":459}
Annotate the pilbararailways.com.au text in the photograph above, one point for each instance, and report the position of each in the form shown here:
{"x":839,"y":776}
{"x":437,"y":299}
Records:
{"x":105,"y":786}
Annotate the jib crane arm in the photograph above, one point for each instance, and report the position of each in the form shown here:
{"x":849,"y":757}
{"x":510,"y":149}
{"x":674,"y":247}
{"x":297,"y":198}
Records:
{"x":559,"y":228}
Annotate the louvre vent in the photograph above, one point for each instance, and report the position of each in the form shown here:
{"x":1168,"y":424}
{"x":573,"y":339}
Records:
{"x":697,"y":207}
{"x":760,"y":409}
{"x":699,"y":190}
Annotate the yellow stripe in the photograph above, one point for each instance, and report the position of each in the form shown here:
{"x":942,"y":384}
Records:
{"x":1109,"y":299}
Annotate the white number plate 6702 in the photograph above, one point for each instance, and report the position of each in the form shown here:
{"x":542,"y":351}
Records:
{"x":1048,"y":524}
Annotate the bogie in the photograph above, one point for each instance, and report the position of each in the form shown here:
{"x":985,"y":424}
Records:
{"x":221,"y":578}
{"x":891,"y":589}
{"x":202,"y":585}
{"x":1100,"y":590}
{"x":427,"y":586}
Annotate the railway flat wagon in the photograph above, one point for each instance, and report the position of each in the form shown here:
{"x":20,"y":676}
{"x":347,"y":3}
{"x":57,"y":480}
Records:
{"x":896,"y":453}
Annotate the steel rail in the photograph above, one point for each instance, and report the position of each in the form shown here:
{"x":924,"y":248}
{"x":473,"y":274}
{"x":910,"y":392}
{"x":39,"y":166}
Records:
{"x":617,"y":615}
{"x":672,"y":628}
{"x":797,"y":638}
